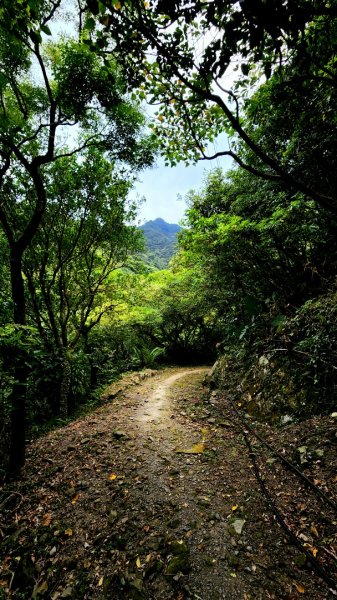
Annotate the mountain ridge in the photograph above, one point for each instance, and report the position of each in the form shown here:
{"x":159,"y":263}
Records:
{"x":161,"y":241}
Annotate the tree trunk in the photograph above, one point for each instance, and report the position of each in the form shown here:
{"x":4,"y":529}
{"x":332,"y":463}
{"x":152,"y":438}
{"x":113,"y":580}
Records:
{"x":18,"y":394}
{"x":92,"y":366}
{"x":93,"y":374}
{"x":65,"y":386}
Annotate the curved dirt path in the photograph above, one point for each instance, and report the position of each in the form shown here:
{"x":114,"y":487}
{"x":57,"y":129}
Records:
{"x":110,"y":509}
{"x":158,"y":406}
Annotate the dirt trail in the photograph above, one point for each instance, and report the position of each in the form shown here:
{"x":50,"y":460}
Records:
{"x":107,"y":507}
{"x":158,"y":406}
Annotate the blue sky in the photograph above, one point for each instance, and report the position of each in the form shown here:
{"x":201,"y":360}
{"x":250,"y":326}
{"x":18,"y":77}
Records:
{"x":162,"y":186}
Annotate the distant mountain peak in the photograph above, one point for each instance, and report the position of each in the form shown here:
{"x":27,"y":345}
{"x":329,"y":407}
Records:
{"x":161,"y":241}
{"x":161,"y":224}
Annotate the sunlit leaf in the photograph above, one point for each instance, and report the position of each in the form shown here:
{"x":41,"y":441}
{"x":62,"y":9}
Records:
{"x":300,"y":588}
{"x":68,"y":532}
{"x":75,"y":498}
{"x":138,"y":563}
{"x":112,"y":476}
{"x":196,"y":449}
{"x":100,"y":582}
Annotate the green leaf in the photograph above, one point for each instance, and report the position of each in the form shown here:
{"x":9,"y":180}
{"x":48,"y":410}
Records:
{"x":90,"y":24}
{"x":45,"y":29}
{"x":36,"y":37}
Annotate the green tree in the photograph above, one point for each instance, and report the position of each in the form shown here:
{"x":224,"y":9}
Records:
{"x":262,"y":253}
{"x":48,"y":92}
{"x":196,"y":46}
{"x":84,"y":236}
{"x":168,"y":312}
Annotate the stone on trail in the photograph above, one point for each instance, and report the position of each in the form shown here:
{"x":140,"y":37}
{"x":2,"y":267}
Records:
{"x":119,"y":435}
{"x":238,"y":525}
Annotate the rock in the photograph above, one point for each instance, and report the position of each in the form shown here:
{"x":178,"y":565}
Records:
{"x":70,"y":492}
{"x":203,"y":500}
{"x":85,"y":441}
{"x":119,"y":435}
{"x":178,"y":547}
{"x":174,"y":523}
{"x":153,"y":543}
{"x":112,"y":517}
{"x":232,"y":559}
{"x":238,"y":525}
{"x":210,"y":378}
{"x":178,"y":564}
{"x":114,"y":393}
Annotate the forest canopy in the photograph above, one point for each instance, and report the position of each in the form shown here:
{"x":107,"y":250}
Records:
{"x":253,"y":279}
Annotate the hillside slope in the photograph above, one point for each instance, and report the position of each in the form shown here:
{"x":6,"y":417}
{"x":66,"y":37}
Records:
{"x":161,"y":242}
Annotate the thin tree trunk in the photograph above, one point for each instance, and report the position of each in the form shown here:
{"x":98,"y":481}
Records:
{"x":18,"y":394}
{"x":65,"y":386}
{"x":92,"y":366}
{"x":93,"y":374}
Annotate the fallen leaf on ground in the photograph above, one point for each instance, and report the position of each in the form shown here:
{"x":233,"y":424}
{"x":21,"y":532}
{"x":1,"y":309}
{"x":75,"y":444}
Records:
{"x":68,"y":532}
{"x":196,"y":449}
{"x":75,"y":498}
{"x":314,"y":530}
{"x":112,"y":476}
{"x":47,"y":519}
{"x":40,"y":589}
{"x":300,"y":588}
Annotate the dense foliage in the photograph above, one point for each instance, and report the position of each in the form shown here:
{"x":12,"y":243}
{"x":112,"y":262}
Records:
{"x":254,"y":278}
{"x":59,"y":101}
{"x":270,"y":269}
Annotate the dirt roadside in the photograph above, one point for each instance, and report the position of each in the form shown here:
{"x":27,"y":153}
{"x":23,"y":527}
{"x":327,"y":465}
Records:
{"x":151,"y":497}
